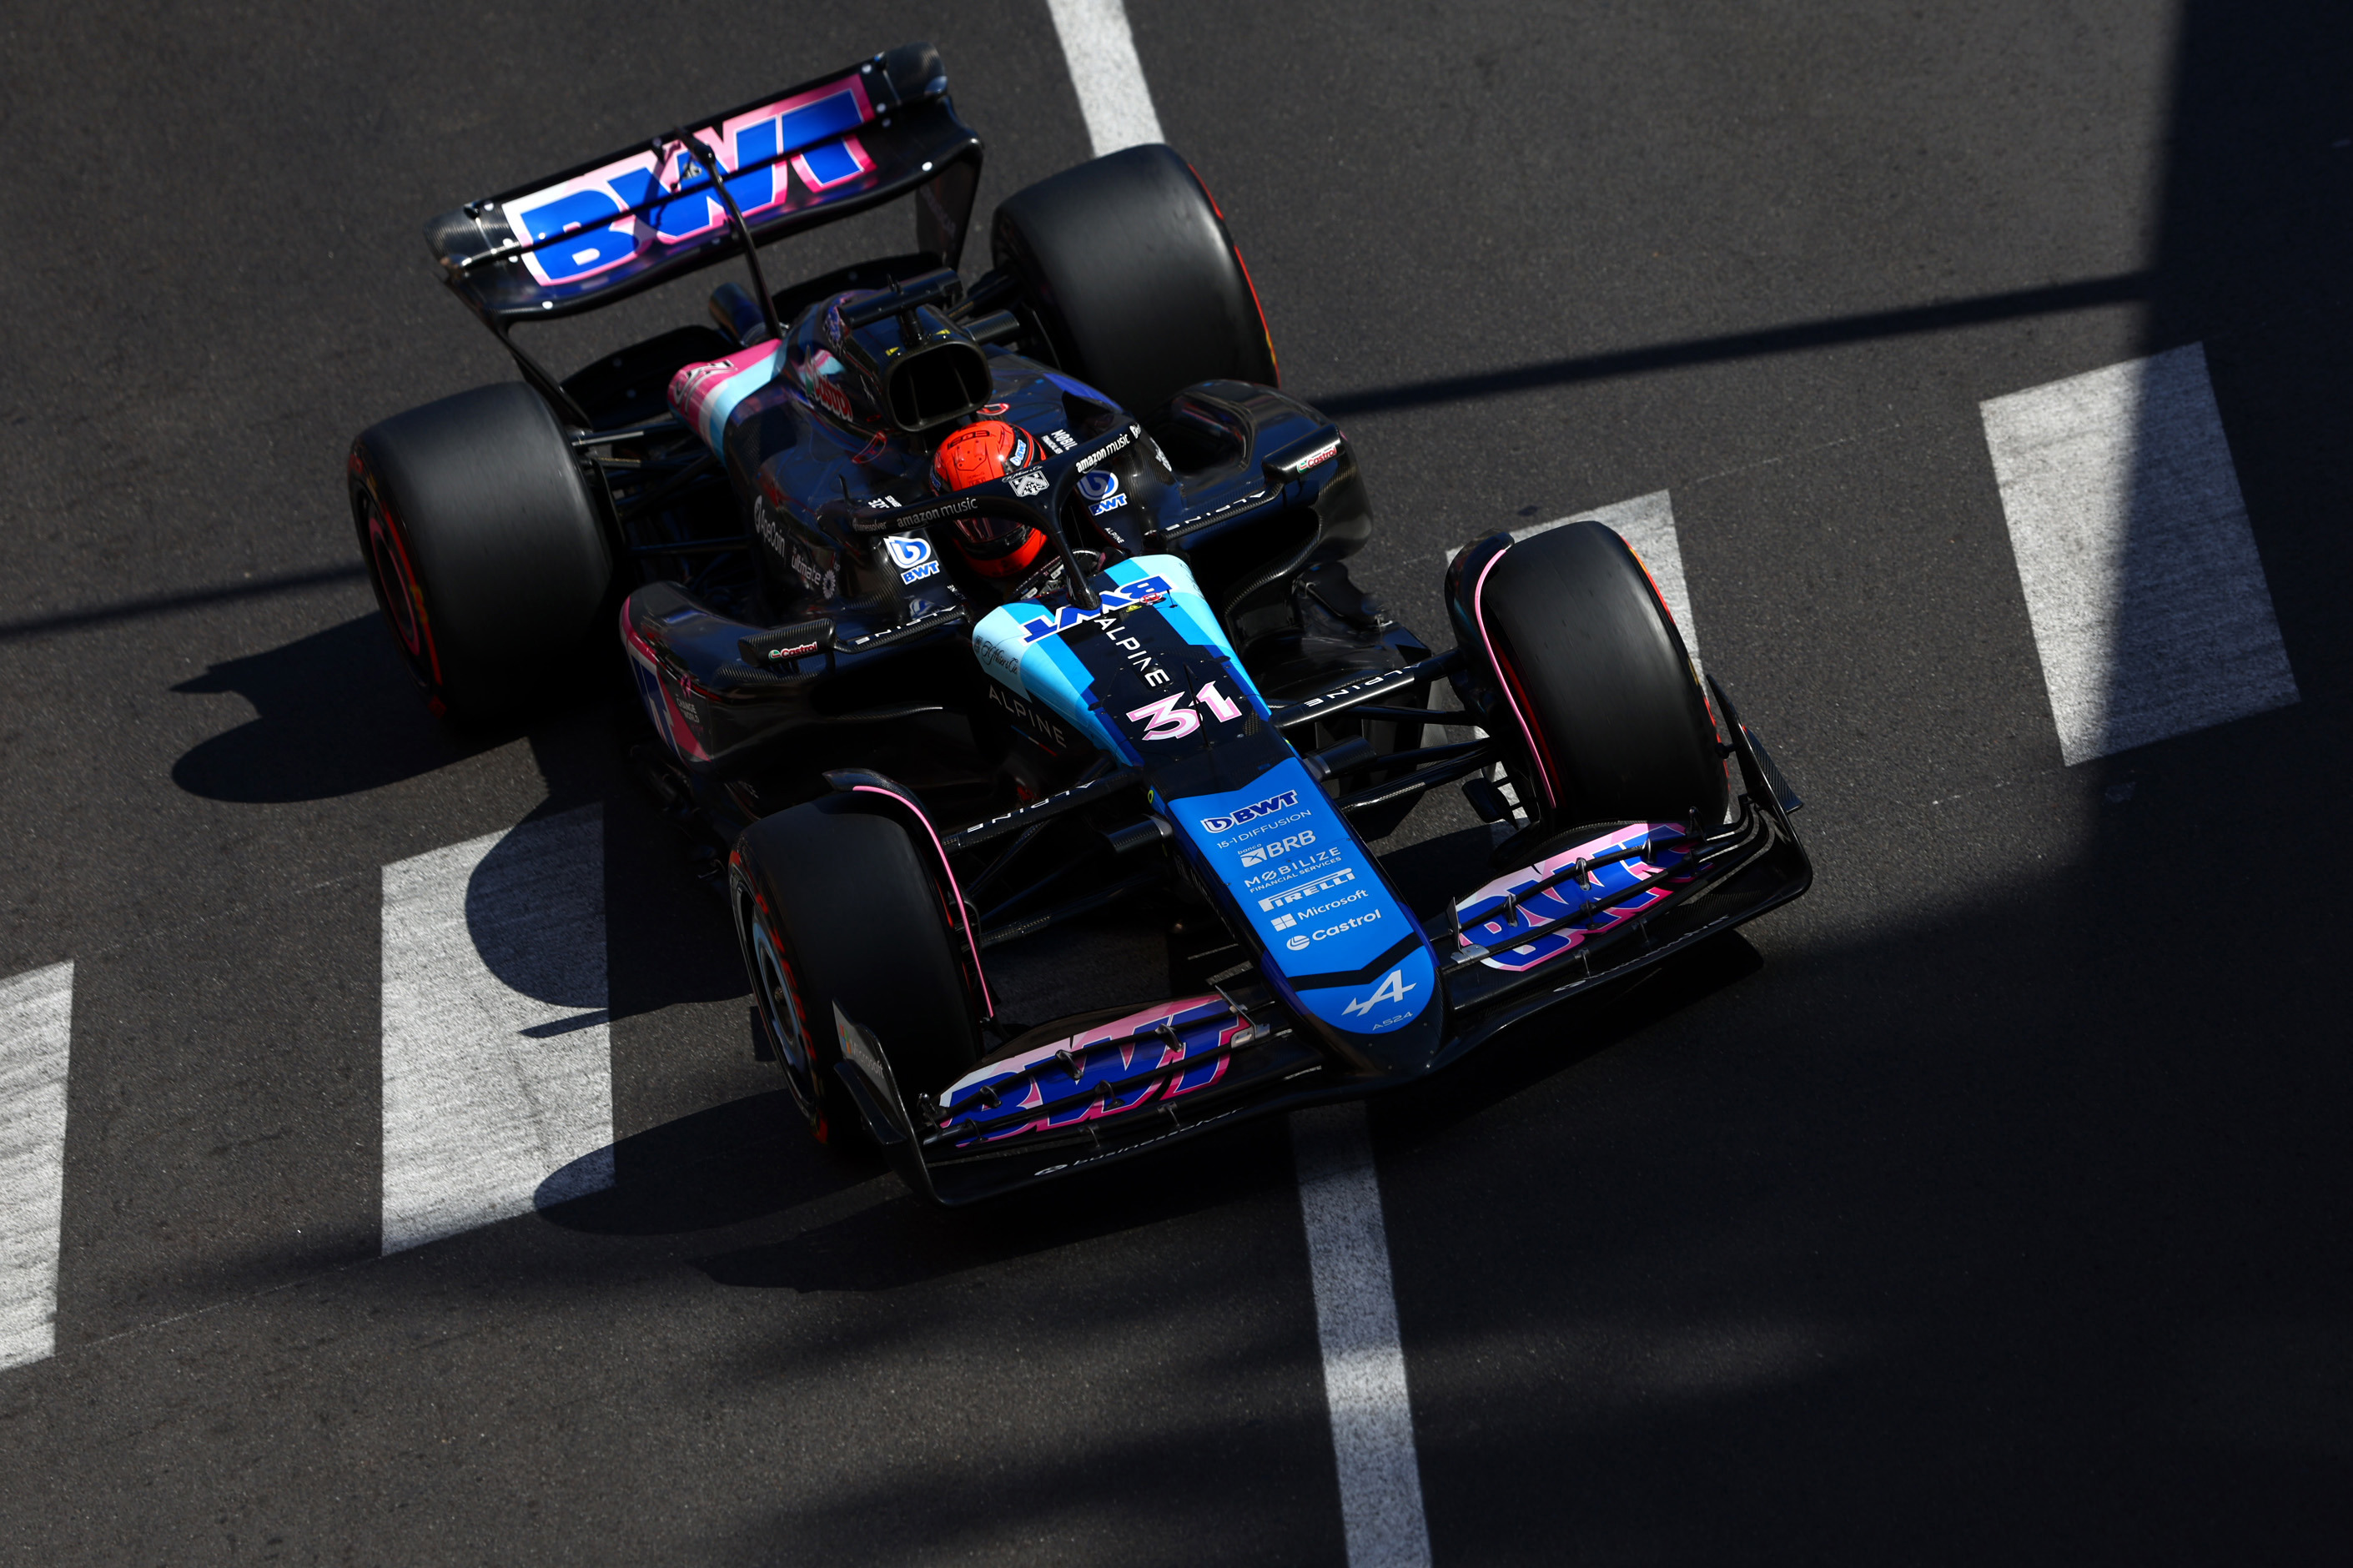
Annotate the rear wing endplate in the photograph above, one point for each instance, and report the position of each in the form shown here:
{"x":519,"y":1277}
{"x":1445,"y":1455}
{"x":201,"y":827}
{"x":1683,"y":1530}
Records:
{"x":791,"y":161}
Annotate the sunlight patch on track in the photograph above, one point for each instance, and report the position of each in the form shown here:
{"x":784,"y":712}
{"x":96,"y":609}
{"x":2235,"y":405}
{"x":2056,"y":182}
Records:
{"x":498,"y":1069}
{"x":36,"y":1032}
{"x":2150,"y":612}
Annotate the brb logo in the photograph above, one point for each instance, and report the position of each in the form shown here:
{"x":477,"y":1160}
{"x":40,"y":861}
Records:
{"x":1149,"y":591}
{"x":1279,"y":848}
{"x":1273,"y":802}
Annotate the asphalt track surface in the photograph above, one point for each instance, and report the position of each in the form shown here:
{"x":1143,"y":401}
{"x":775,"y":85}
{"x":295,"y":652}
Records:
{"x":1989,"y":1203}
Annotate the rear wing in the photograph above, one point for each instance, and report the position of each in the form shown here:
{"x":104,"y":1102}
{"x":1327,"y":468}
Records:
{"x":719,"y":188}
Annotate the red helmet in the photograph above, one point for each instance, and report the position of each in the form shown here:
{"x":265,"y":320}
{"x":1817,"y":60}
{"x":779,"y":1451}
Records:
{"x":985,"y":450}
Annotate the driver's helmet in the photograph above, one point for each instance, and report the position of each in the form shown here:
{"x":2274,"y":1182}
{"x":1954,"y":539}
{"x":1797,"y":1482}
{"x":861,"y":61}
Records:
{"x":985,"y":450}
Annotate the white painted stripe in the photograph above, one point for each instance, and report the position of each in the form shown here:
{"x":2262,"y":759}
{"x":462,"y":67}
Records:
{"x":1339,"y":1195}
{"x":2147,"y":597}
{"x":36,"y":1030}
{"x":1104,"y":67}
{"x":1356,"y":1321}
{"x":497,"y":1071}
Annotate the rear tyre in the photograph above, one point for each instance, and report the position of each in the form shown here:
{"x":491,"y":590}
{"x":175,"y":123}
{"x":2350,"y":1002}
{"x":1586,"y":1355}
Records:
{"x":1131,"y":277}
{"x":1589,"y":657}
{"x":483,"y":545}
{"x":833,"y":906}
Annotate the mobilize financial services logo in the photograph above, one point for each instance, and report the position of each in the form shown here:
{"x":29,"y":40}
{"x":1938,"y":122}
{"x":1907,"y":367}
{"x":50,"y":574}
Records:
{"x":1305,"y":865}
{"x":1240,"y":814}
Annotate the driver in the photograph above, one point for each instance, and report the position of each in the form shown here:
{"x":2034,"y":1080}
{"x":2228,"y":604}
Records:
{"x":985,"y":450}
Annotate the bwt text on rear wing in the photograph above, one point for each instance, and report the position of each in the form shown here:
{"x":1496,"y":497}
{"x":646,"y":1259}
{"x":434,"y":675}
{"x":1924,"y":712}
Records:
{"x":718,"y":187}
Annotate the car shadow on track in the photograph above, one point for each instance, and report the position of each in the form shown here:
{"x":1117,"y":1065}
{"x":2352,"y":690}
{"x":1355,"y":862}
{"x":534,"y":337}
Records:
{"x":852,"y":1225}
{"x":899,"y":1241}
{"x":740,"y":1160}
{"x":336,"y":714}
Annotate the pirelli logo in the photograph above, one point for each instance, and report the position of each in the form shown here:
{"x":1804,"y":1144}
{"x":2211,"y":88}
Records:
{"x":1308,"y":890}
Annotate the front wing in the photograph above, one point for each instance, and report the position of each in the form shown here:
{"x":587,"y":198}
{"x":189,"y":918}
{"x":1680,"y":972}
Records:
{"x":1574,"y":922}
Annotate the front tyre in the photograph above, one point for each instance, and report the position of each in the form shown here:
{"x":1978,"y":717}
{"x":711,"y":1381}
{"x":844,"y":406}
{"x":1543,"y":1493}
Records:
{"x":833,"y":906}
{"x":483,"y":546}
{"x":1600,"y":689}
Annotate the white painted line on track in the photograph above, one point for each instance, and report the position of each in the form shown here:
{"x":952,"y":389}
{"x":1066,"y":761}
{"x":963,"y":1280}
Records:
{"x":497,"y":1068}
{"x":1104,"y":67}
{"x":36,"y":1032}
{"x":1339,"y":1193}
{"x":1357,"y":1324}
{"x":2147,"y":600}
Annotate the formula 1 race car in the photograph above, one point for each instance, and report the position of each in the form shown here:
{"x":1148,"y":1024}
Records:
{"x":959,"y":611}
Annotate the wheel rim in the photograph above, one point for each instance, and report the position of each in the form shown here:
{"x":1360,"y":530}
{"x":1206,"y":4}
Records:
{"x":778,"y":996}
{"x":395,"y":586}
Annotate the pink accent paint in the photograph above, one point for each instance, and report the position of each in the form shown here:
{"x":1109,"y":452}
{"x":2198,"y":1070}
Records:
{"x":1547,"y":948}
{"x":963,"y":916}
{"x":1159,"y":1012}
{"x":858,"y":156}
{"x":701,"y":389}
{"x":1479,"y":618}
{"x":666,"y":717}
{"x":674,"y":168}
{"x":855,"y":85}
{"x":1103,"y":1104}
{"x":1176,"y":1085}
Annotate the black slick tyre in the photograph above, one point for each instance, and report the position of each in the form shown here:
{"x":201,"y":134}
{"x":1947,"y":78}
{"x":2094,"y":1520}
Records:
{"x":1130,"y":275}
{"x":1599,"y":679}
{"x":483,"y":546}
{"x":833,"y":906}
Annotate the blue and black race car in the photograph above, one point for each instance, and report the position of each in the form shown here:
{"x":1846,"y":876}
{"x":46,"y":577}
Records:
{"x":961,"y":610}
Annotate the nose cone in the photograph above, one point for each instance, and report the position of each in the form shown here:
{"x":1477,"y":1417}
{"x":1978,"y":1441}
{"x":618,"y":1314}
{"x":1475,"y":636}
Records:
{"x":1391,"y":1019}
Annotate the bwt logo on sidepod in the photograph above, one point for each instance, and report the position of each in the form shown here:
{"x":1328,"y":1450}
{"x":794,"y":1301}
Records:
{"x":912,"y":555}
{"x":1100,"y":488}
{"x":1273,"y":802}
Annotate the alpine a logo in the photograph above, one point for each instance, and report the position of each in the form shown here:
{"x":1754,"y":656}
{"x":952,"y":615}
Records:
{"x":1392,"y":988}
{"x":1148,"y":590}
{"x":1283,"y":802}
